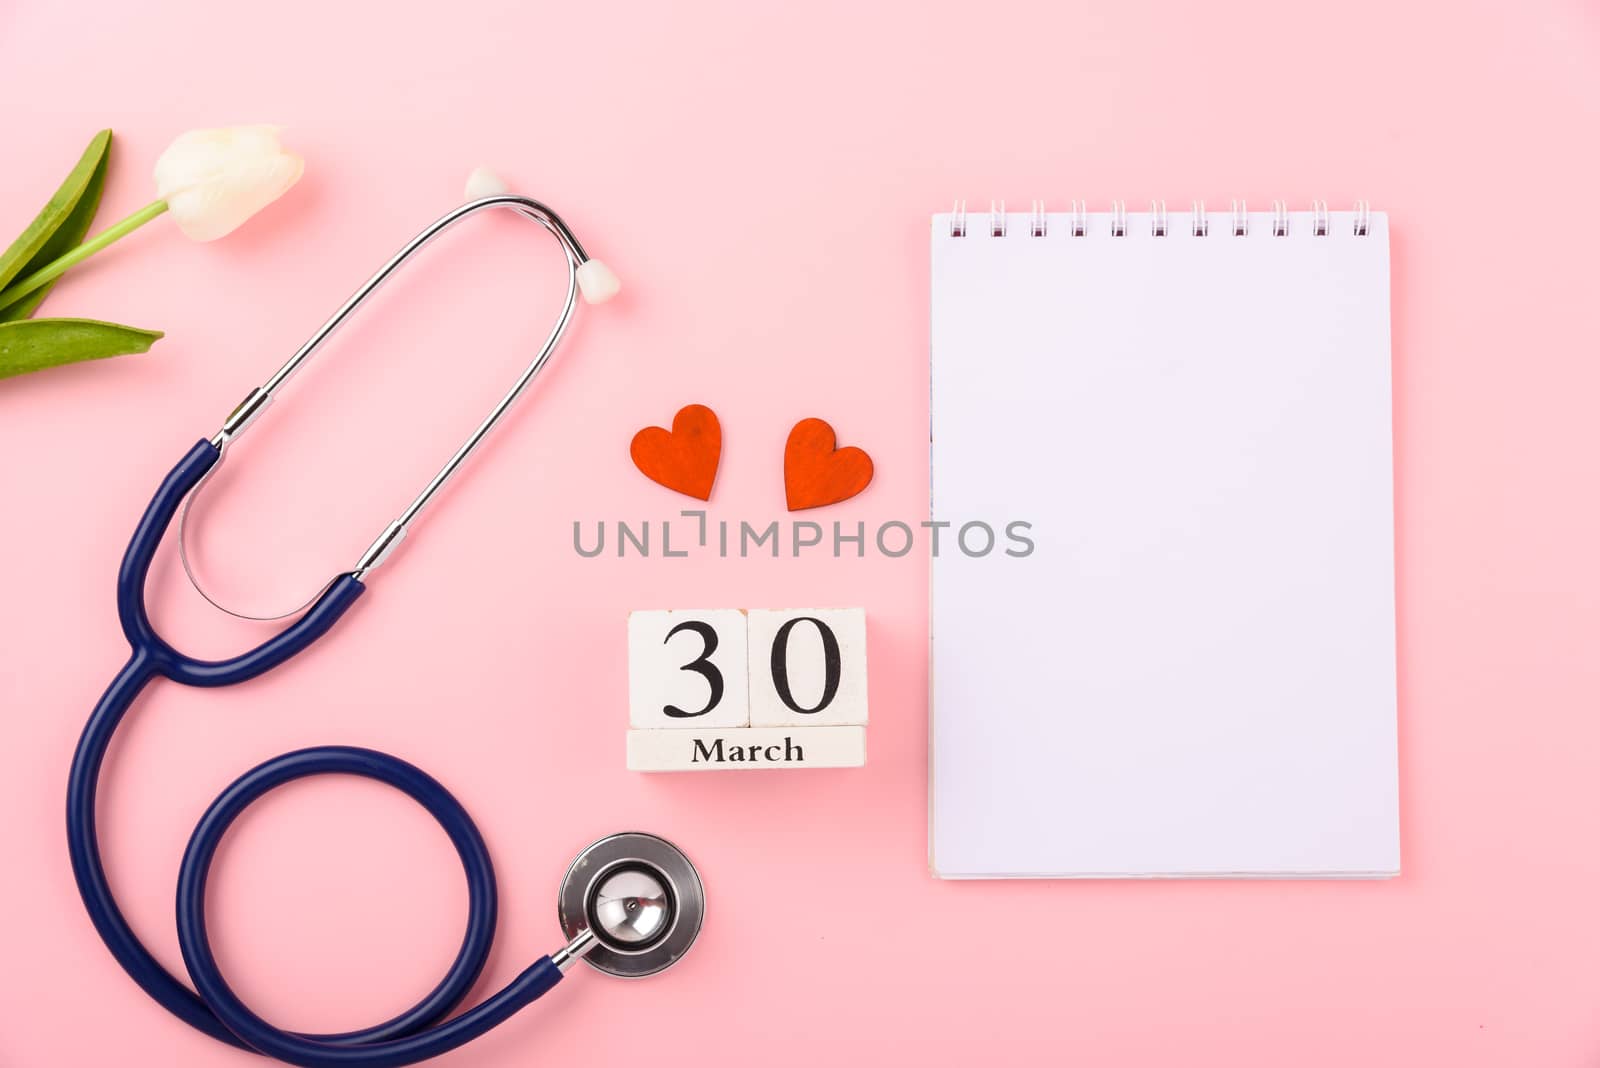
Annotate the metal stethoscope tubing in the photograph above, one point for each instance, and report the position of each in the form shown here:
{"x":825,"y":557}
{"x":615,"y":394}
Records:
{"x":630,"y":904}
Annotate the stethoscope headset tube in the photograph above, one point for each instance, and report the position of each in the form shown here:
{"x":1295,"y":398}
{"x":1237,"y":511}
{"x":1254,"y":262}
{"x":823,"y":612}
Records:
{"x":423,"y":1030}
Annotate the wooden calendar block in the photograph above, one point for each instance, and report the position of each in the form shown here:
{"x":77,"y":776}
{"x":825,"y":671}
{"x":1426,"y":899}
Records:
{"x":734,"y":748}
{"x":687,"y":668}
{"x":808,"y":667}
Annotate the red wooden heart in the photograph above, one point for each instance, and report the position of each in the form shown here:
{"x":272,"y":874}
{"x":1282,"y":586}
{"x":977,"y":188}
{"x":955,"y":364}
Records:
{"x":816,"y":473}
{"x":684,"y":458}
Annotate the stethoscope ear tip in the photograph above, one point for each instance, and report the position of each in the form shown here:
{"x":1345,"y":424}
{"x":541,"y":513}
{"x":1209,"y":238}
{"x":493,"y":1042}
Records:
{"x":597,"y":282}
{"x":483,"y":182}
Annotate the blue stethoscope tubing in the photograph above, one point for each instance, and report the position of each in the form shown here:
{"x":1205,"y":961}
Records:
{"x":416,"y":1034}
{"x":422,"y":1031}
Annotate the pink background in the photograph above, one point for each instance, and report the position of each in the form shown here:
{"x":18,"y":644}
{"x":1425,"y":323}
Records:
{"x":761,"y":179}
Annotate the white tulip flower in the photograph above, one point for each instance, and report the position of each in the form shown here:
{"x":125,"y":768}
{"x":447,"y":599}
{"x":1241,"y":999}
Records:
{"x":214,"y":180}
{"x":210,"y":180}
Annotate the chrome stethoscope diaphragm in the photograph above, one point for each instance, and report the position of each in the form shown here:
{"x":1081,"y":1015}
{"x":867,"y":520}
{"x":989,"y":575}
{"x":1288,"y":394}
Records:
{"x":631,"y":905}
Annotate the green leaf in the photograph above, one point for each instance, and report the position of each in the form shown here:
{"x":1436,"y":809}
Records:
{"x":33,"y":344}
{"x":69,"y":233}
{"x":83,"y":184}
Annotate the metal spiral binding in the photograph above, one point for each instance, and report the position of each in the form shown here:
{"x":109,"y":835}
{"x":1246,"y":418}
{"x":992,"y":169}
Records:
{"x":1200,"y":225}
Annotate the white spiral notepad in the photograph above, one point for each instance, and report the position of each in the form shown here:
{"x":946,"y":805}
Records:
{"x":1192,"y":672}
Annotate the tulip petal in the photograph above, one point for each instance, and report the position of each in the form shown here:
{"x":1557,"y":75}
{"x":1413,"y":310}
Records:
{"x":215,"y":180}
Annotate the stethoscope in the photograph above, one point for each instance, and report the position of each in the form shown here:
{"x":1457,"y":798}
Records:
{"x":631,"y":904}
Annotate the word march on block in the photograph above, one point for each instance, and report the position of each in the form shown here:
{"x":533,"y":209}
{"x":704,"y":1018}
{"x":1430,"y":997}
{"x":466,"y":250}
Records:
{"x":715,"y":689}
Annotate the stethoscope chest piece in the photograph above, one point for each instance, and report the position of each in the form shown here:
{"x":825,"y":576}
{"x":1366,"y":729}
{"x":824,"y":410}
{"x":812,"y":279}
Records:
{"x":641,"y":899}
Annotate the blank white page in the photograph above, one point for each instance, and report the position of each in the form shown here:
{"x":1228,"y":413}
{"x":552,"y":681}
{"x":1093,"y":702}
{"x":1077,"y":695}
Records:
{"x":1193,"y":672}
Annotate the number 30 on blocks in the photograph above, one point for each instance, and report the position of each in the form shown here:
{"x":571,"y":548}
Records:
{"x":717,"y":689}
